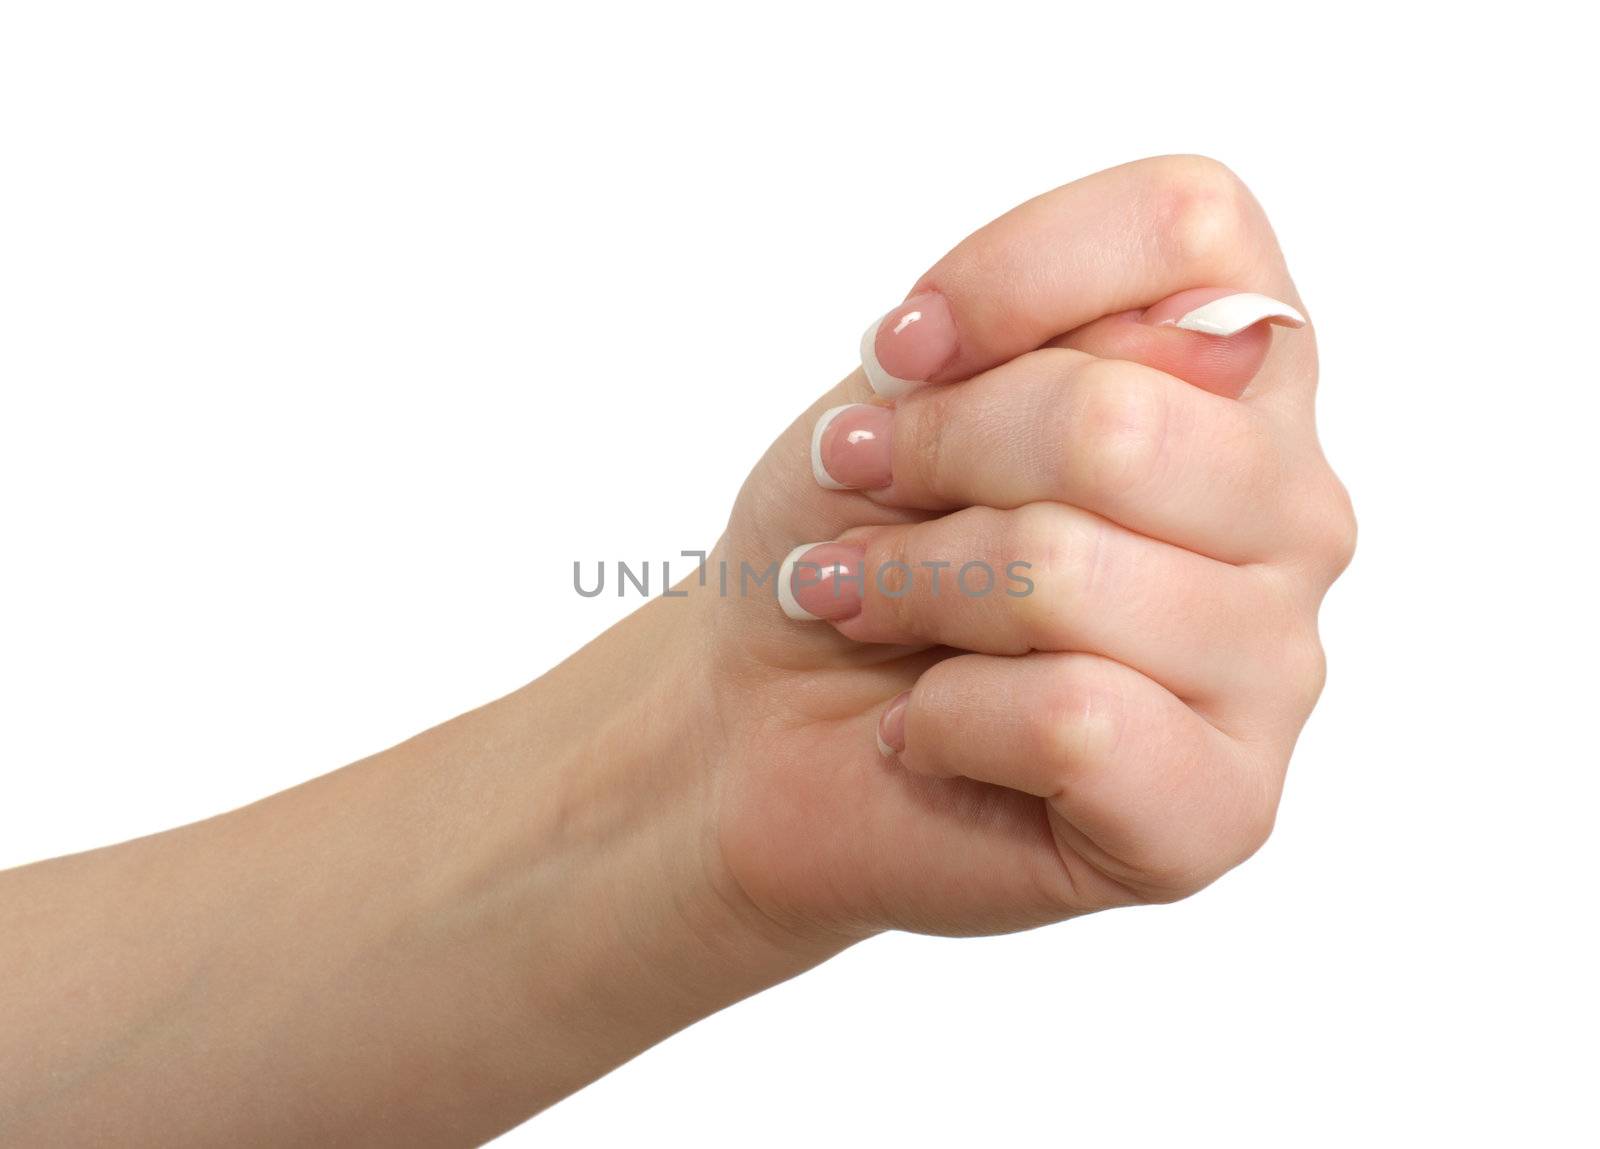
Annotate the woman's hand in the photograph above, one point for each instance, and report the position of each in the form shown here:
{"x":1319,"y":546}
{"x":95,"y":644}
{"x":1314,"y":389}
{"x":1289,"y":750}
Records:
{"x":1114,"y":725}
{"x":431,"y":944}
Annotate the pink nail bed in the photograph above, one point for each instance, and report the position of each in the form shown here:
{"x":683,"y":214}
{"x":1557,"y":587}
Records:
{"x":909,"y":345}
{"x":850,"y":448}
{"x":822,"y":581}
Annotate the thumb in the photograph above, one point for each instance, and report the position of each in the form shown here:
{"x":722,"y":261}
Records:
{"x":1213,"y":337}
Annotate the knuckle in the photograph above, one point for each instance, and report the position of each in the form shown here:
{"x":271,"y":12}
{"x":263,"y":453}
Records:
{"x":1304,"y":670}
{"x":1336,"y":538}
{"x":1285,"y":646}
{"x":1205,"y":212}
{"x":1081,"y":721}
{"x":1116,"y":432}
{"x":1063,"y":555}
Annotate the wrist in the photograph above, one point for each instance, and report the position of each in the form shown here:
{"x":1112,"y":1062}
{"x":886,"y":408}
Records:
{"x":635,"y":928}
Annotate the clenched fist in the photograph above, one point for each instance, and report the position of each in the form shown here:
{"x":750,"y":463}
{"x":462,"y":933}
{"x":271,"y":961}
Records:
{"x":1060,"y":635}
{"x":1015,"y":623}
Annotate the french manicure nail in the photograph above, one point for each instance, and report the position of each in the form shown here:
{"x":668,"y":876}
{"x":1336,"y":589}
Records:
{"x":822,"y":581}
{"x":892,"y":726}
{"x":910,"y":343}
{"x":850,"y":447}
{"x":1224,"y":313}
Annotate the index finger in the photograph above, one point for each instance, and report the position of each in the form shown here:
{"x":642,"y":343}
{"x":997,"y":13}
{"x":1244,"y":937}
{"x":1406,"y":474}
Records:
{"x":1120,"y":239}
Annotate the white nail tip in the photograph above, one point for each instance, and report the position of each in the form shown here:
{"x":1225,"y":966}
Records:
{"x":878,"y":379}
{"x":791,"y":606}
{"x":883,"y":747}
{"x":818,"y":470}
{"x":1233,"y":313}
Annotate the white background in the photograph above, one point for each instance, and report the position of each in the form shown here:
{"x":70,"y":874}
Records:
{"x":330,"y":334}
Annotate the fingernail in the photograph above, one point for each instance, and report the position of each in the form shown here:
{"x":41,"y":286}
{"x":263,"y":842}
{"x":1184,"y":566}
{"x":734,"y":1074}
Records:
{"x":850,"y":447}
{"x":906,"y":346}
{"x":892,"y":726}
{"x":822,"y":581}
{"x":1218,"y":311}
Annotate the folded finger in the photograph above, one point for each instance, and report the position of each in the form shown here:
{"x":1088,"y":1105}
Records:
{"x":1045,"y":577}
{"x":1114,"y":241}
{"x":1125,"y":441}
{"x":1140,"y":789}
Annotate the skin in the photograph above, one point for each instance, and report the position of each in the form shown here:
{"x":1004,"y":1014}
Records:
{"x":430,"y":945}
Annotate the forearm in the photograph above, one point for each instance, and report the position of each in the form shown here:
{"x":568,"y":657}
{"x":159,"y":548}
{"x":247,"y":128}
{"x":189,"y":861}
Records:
{"x":433,"y":942}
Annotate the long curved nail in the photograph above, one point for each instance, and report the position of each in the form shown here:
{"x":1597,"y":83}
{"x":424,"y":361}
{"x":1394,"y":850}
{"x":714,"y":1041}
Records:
{"x":907,"y":346}
{"x":822,"y":581}
{"x":1219,"y":311}
{"x":850,"y":448}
